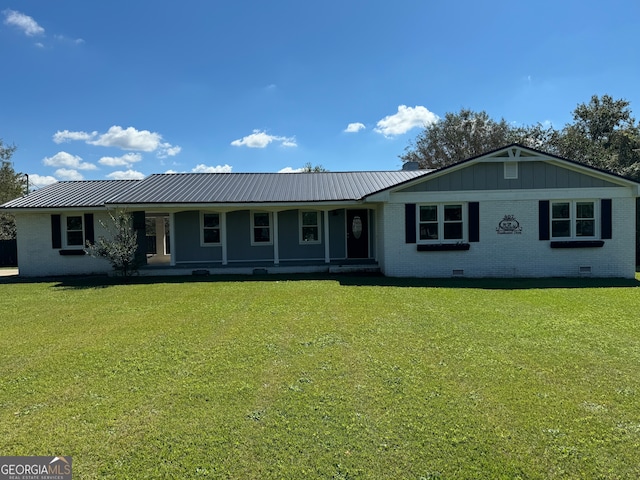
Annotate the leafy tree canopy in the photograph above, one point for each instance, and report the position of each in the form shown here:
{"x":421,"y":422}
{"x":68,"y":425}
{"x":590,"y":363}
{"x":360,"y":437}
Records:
{"x":12,"y":185}
{"x":603,"y":134}
{"x":308,"y":168}
{"x":464,"y":135}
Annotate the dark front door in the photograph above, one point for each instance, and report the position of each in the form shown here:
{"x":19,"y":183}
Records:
{"x":357,"y":234}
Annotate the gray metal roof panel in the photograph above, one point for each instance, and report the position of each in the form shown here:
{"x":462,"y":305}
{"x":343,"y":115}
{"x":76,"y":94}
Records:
{"x":215,"y":188}
{"x":260,"y":187}
{"x":84,"y":193}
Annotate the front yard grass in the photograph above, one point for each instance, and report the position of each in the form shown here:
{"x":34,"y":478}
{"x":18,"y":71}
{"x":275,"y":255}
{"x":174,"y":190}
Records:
{"x":341,"y":377}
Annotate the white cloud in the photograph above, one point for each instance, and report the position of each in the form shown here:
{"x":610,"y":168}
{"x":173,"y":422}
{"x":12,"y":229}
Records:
{"x":64,"y":159}
{"x":67,"y":136}
{"x":354,"y":127}
{"x":202,"y":168}
{"x":24,"y":22}
{"x":66,"y":40}
{"x":405,"y":119}
{"x":124,"y":138}
{"x":39,"y":181}
{"x":126,"y":175}
{"x":129,"y":139}
{"x":291,"y":170}
{"x":168,"y":150}
{"x":123,"y":161}
{"x":260,"y":139}
{"x":69,"y":174}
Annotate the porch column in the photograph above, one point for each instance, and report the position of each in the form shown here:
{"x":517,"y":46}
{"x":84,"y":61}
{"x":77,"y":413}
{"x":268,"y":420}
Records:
{"x":172,"y":237}
{"x":160,"y":237}
{"x":223,"y":237}
{"x":276,"y":252}
{"x":327,"y":253}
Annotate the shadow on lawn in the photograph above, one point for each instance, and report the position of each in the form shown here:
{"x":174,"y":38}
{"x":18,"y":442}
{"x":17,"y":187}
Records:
{"x":350,"y":280}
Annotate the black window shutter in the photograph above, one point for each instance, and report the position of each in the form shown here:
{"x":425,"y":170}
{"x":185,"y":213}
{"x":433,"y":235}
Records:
{"x":543,"y":220}
{"x":89,"y":235}
{"x":56,"y":231}
{"x":606,"y":223}
{"x":410,"y":223}
{"x":474,"y":221}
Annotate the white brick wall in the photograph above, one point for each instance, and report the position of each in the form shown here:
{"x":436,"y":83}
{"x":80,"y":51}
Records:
{"x":511,"y":255}
{"x":37,"y":258}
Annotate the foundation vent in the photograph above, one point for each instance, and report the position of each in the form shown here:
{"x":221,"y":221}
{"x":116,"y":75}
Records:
{"x":457,"y":272}
{"x":585,"y":270}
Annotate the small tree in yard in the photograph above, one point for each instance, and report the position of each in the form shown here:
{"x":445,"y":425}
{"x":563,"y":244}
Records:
{"x":120,"y":249}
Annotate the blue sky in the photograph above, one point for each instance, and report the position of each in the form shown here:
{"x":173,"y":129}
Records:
{"x":98,"y":90}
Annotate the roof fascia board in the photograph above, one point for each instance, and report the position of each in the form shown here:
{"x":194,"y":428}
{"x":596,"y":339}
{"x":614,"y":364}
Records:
{"x":233,"y":206}
{"x":508,"y":195}
{"x":21,"y":210}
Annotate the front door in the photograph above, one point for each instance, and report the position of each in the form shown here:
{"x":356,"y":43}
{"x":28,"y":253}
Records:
{"x":357,"y":233}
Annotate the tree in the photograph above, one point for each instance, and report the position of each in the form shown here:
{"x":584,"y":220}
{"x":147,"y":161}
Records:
{"x":121,"y":246}
{"x":308,"y":168}
{"x":12,"y":185}
{"x":604,"y":135}
{"x":466,"y":134}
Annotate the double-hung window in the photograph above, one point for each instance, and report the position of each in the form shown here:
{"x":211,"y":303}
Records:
{"x":441,"y":223}
{"x":573,"y":219}
{"x":309,"y":227}
{"x":261,"y":228}
{"x":210,"y":228}
{"x":74,"y":231}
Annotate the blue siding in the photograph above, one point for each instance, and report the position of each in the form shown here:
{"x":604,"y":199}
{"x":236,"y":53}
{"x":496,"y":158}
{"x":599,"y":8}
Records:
{"x":337,"y":234}
{"x":289,"y":238}
{"x":187,"y":243}
{"x":239,"y":246}
{"x":187,"y":246}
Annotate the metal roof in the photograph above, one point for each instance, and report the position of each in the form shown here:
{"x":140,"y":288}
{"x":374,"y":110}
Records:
{"x":260,"y":187}
{"x":197,"y":188}
{"x":84,"y":193}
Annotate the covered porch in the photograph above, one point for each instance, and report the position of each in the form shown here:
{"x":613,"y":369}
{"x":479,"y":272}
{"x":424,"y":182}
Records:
{"x":267,"y":239}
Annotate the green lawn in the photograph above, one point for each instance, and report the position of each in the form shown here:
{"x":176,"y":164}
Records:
{"x":341,"y":377}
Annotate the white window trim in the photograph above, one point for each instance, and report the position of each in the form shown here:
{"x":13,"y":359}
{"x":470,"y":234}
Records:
{"x":208,"y":244}
{"x":65,"y":231}
{"x":270,"y":226}
{"x":441,"y":205}
{"x":301,"y":227}
{"x":573,"y":219}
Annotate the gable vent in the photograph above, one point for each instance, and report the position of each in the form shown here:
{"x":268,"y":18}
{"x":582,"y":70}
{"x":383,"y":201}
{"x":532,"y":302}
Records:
{"x":510,"y":170}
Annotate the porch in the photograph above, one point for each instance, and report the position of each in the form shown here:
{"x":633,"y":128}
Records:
{"x":270,"y":240}
{"x":164,"y":268}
